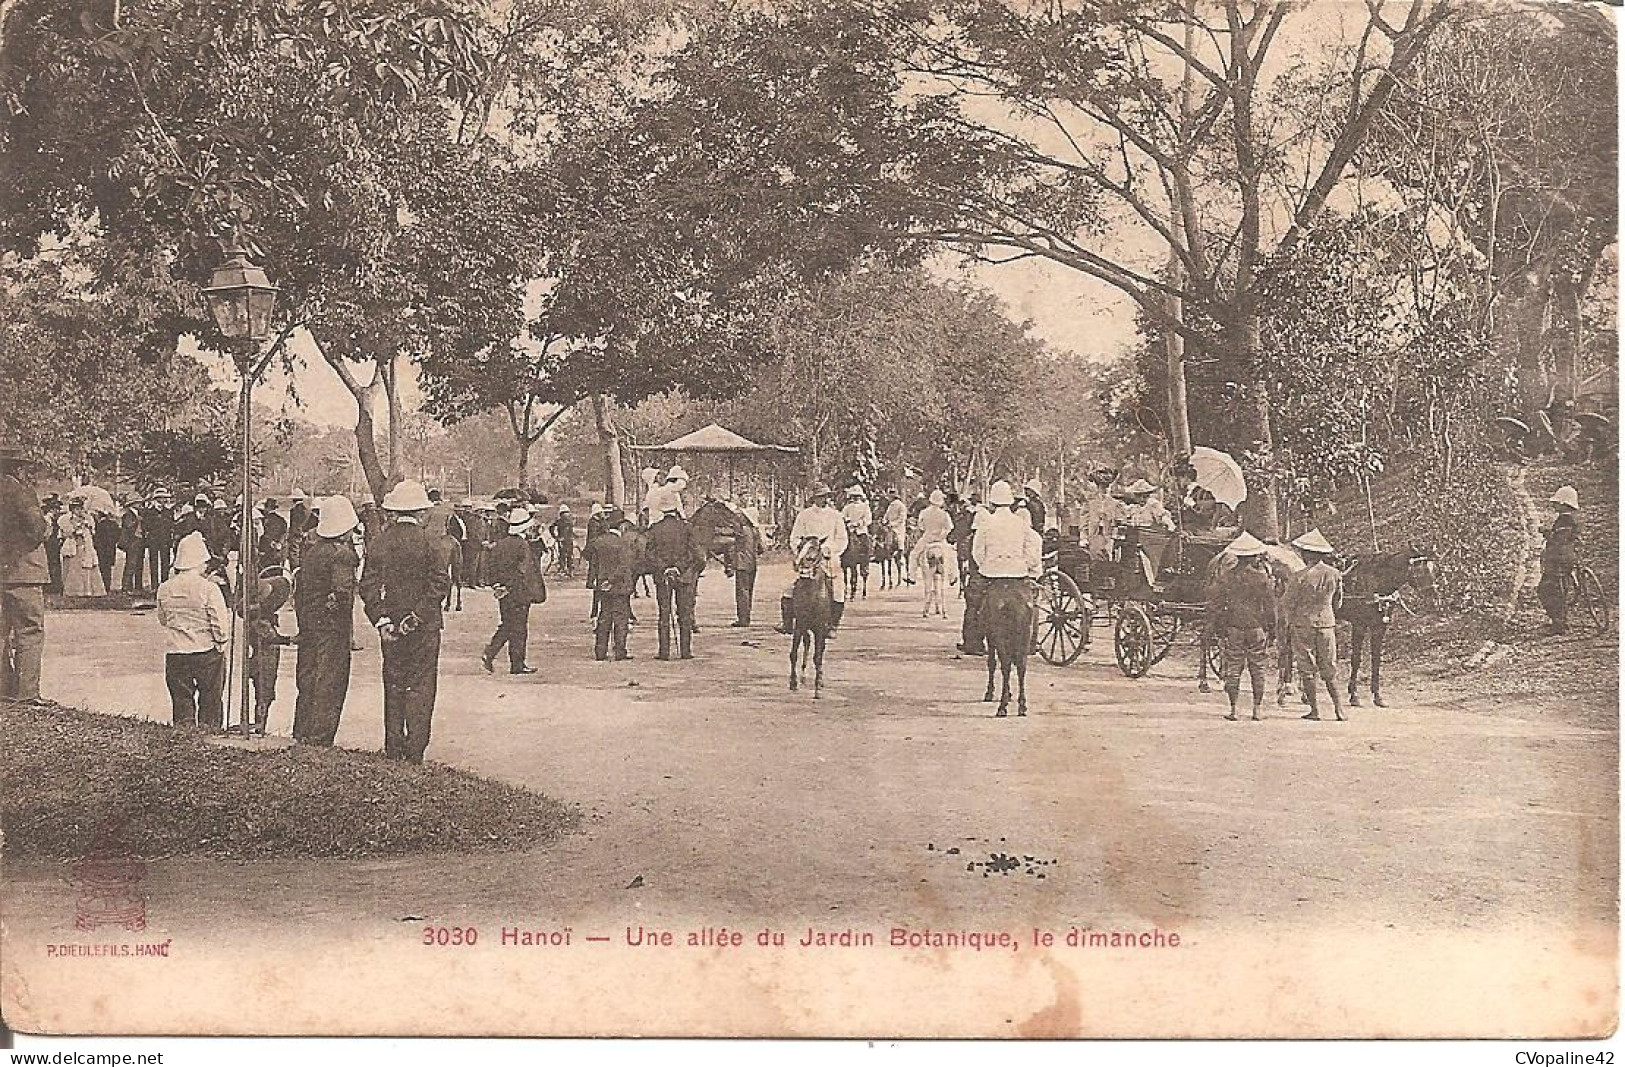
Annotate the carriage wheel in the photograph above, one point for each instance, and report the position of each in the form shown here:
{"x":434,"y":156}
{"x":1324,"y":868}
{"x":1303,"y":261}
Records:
{"x":1591,"y":601}
{"x":1165,"y":627}
{"x":1214,"y":651}
{"x":1133,"y":641}
{"x":1063,"y":621}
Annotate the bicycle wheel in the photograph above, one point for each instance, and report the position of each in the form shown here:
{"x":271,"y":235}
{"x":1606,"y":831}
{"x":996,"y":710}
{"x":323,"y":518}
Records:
{"x":1590,"y":601}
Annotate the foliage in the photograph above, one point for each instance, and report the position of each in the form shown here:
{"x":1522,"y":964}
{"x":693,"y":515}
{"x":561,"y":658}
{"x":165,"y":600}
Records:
{"x":87,"y":366}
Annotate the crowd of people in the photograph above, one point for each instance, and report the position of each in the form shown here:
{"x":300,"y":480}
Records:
{"x":407,"y":558}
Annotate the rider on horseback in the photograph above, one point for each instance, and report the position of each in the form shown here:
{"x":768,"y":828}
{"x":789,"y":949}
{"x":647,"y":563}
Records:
{"x":819,"y":519}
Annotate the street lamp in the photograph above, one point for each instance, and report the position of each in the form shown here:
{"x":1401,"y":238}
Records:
{"x":241,"y":298}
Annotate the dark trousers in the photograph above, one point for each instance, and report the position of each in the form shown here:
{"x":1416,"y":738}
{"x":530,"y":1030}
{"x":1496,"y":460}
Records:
{"x":53,"y":565}
{"x":264,"y":663}
{"x":22,"y":640}
{"x":411,"y":674}
{"x":157,"y":562}
{"x":513,"y":630}
{"x":970,"y":631}
{"x":675,"y":598}
{"x":106,"y":555}
{"x":132,"y":567}
{"x":614,"y":612}
{"x":1554,"y":596}
{"x":322,"y":674}
{"x":196,"y":683}
{"x":744,"y":590}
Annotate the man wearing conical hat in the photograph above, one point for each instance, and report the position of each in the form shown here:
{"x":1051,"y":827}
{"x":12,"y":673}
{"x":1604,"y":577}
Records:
{"x":1242,"y":612}
{"x":324,"y":605}
{"x":403,"y":587}
{"x":197,"y":628}
{"x":1558,"y":557}
{"x":1311,"y":600}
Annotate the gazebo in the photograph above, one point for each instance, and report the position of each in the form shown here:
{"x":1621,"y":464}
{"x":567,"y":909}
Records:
{"x":716,"y":451}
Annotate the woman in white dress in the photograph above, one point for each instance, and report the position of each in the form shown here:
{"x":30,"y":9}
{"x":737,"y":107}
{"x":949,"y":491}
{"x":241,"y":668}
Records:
{"x":81,"y":573}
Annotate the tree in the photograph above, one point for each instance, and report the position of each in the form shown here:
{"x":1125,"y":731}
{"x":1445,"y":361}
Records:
{"x":321,"y":127}
{"x":88,"y":367}
{"x":1507,"y":131}
{"x":1104,"y":137}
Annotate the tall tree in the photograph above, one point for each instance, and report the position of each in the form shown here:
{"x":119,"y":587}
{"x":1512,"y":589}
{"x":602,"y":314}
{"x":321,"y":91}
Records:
{"x":1099,"y":144}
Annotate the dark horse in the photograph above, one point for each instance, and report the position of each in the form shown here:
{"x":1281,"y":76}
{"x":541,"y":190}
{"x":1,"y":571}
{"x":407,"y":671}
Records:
{"x":855,"y":562}
{"x":1006,"y":618}
{"x":812,"y":611}
{"x":1370,"y":588}
{"x":888,"y":553}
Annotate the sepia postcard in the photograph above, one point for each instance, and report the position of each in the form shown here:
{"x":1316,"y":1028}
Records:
{"x":827,"y":518}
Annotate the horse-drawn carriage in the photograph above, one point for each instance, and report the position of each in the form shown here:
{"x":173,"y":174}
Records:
{"x":1150,"y":590}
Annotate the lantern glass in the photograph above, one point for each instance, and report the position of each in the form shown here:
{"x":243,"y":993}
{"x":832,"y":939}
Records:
{"x":241,"y":298}
{"x":230,"y":311}
{"x":261,"y":303}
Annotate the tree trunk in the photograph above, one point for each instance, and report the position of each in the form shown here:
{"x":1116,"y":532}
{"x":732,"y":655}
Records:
{"x":366,"y":443}
{"x":614,"y":482}
{"x":388,"y":372}
{"x":1260,"y":512}
{"x":524,"y":444}
{"x":1179,"y":422}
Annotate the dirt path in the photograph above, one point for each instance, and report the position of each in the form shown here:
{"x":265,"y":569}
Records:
{"x":715,"y":795}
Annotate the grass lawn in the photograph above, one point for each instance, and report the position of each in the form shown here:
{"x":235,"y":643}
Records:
{"x":71,"y":780}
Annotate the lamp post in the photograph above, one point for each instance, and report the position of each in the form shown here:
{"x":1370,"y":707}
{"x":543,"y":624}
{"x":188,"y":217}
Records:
{"x":241,"y":298}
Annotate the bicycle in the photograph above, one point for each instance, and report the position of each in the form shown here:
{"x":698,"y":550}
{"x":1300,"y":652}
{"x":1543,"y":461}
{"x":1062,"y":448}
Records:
{"x":1583,"y":592}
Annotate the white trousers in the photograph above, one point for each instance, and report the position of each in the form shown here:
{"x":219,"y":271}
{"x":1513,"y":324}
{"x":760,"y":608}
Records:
{"x":916,"y":560}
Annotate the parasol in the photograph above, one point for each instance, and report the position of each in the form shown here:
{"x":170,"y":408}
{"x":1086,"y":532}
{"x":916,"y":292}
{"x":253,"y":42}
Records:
{"x":95,"y":497}
{"x":1220,"y":475}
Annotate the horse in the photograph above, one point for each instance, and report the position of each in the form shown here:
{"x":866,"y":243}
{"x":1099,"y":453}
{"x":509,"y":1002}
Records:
{"x":888,"y":553}
{"x":1006,"y":618}
{"x":855,"y":562}
{"x":812,"y":613}
{"x":934,"y":565}
{"x":1371,"y":585}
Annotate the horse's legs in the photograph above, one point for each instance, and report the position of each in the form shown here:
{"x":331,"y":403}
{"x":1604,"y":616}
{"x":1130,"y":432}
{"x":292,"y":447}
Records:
{"x":795,"y":645}
{"x":1378,"y":633}
{"x":1201,"y":660}
{"x":992,"y":665}
{"x":1021,"y":685}
{"x":818,"y":662}
{"x":1357,"y":634}
{"x":1004,"y":691}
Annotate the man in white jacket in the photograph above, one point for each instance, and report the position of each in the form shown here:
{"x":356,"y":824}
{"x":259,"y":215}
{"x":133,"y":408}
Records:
{"x":819,"y":519}
{"x":1006,"y":547}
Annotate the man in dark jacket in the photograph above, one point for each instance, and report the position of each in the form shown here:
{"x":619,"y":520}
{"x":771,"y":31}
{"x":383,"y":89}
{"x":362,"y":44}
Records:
{"x":1243,"y":615}
{"x":104,"y":536}
{"x":273,"y":546}
{"x":676,"y":557}
{"x":159,"y":523}
{"x":324,"y":604}
{"x":516,"y":578}
{"x":52,"y":509}
{"x":613,"y":554}
{"x":133,"y":543}
{"x":23,"y":576}
{"x":408,"y":571}
{"x":1032,"y":497}
{"x":747,"y":547}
